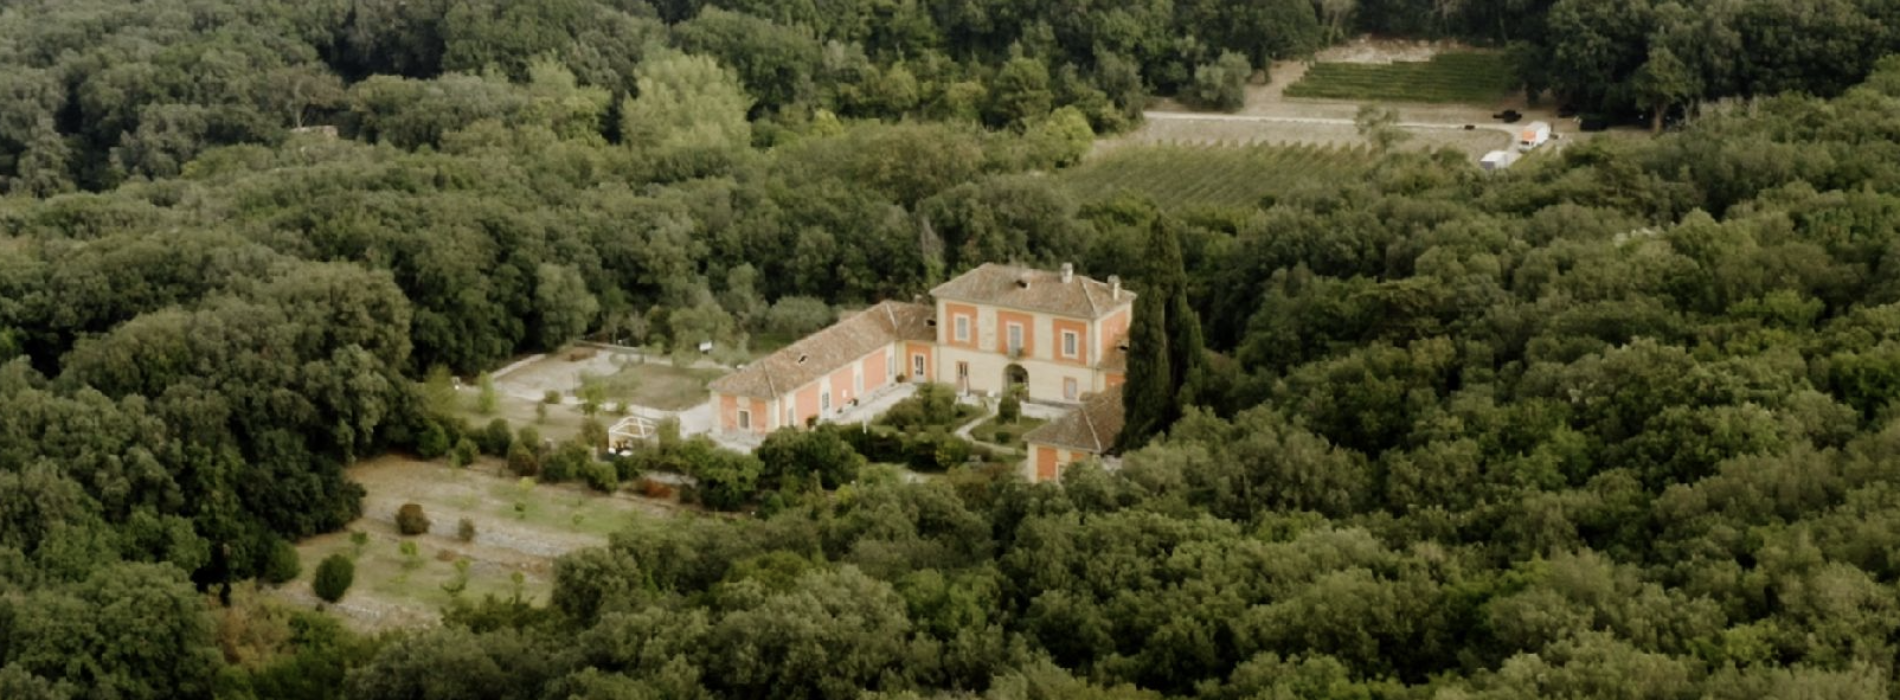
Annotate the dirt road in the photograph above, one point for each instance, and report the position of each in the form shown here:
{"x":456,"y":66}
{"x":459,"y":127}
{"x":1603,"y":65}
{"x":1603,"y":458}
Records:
{"x":1270,"y":117}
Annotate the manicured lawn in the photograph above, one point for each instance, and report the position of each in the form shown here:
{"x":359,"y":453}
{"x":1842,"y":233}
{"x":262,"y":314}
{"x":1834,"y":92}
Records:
{"x":1478,"y":77}
{"x":658,"y":385}
{"x":1008,"y":435}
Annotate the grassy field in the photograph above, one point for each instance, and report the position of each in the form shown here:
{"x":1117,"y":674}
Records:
{"x":1467,"y":76}
{"x":410,"y":590}
{"x":520,"y":529}
{"x":657,"y":385}
{"x":1200,"y":176}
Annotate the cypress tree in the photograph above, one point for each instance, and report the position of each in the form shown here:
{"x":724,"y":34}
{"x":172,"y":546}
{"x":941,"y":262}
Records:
{"x":1187,"y":355}
{"x":1166,"y":355}
{"x":1148,"y":394}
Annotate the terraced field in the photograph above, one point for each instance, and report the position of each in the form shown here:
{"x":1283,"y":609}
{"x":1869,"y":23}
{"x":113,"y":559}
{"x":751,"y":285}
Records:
{"x":1211,"y":175}
{"x":1481,"y":77}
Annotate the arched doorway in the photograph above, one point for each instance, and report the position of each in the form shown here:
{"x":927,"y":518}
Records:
{"x":1015,"y":378}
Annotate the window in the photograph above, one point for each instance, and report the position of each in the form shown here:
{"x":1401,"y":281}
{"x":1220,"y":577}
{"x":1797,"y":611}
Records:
{"x":963,"y":371}
{"x":963,"y":329}
{"x":1069,"y":343}
{"x":824,"y":401}
{"x":1069,"y":388}
{"x":745,"y":420}
{"x":1015,"y":338}
{"x":791,"y":418}
{"x":917,"y":365}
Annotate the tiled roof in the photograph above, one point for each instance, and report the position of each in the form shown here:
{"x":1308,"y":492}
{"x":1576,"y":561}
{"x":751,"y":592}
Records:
{"x":1034,"y":290}
{"x":1090,"y":428}
{"x":821,"y":353}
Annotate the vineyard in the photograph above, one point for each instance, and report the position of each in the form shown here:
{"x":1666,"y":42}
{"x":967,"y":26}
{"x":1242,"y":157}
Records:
{"x":1464,"y":76}
{"x":1217,"y":176}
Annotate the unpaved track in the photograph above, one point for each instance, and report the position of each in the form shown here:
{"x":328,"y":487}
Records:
{"x":1168,"y":116}
{"x":1270,"y":117}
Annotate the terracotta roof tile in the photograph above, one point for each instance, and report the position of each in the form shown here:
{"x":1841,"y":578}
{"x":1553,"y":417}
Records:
{"x":1091,"y":428}
{"x":1034,"y":290}
{"x":827,"y":350}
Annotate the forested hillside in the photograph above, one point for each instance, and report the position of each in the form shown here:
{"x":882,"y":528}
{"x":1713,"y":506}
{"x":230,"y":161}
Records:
{"x":1619,"y":423}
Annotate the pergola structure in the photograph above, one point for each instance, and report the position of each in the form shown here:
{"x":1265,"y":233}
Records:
{"x":630,"y":430}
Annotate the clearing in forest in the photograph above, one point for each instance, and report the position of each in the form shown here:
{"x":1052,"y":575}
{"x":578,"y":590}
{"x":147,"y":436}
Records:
{"x":1473,"y":77}
{"x":520,"y":528}
{"x":624,"y":380}
{"x":1211,"y":176}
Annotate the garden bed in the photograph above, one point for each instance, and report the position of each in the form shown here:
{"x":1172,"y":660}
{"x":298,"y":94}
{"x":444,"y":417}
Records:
{"x":1008,"y":435}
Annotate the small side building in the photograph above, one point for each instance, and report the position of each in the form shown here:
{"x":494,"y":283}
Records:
{"x":1498,"y":160}
{"x":824,"y":372}
{"x":1087,"y":432}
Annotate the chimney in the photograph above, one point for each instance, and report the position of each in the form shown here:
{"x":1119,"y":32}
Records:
{"x":1115,"y":287}
{"x":1068,"y":272}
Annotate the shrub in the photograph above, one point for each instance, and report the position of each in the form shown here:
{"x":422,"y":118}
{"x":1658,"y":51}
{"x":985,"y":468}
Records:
{"x":410,"y":520}
{"x":933,"y":404}
{"x":282,"y":565}
{"x":569,"y":462}
{"x":522,"y":461}
{"x":551,"y":397}
{"x":334,"y":576}
{"x":593,"y":434}
{"x":600,"y":476}
{"x":879,"y":444}
{"x":727,"y":479}
{"x":1222,"y":84}
{"x":487,"y":400}
{"x":628,"y":467}
{"x":790,"y":456}
{"x":495,"y":439}
{"x":1010,"y":410}
{"x":455,"y":585}
{"x":434,"y":441}
{"x":937,"y":451}
{"x":797,"y":316}
{"x":464,"y":453}
{"x":652,"y":488}
{"x":668,"y":431}
{"x":411,"y":554}
{"x":465,"y":530}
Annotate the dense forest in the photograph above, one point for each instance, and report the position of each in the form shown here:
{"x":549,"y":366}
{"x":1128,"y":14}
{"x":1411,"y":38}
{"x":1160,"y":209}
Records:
{"x":1621,"y":423}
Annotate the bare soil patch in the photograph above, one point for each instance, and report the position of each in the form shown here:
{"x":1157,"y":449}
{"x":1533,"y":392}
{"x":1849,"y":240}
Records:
{"x":1367,"y":49}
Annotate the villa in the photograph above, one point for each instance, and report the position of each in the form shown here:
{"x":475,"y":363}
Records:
{"x":1056,"y":336}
